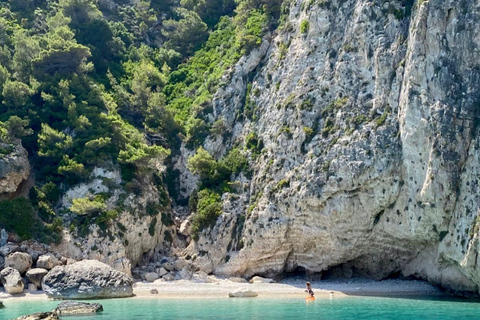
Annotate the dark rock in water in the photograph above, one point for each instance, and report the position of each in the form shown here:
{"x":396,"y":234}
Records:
{"x":40,"y":316}
{"x":76,"y":308}
{"x":87,"y":279}
{"x":1,"y":304}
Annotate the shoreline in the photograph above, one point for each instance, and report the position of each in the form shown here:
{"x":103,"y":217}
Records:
{"x":285,"y":289}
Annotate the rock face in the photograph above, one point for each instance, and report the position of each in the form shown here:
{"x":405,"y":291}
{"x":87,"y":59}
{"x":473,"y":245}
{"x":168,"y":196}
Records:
{"x":14,"y":168}
{"x":371,"y":145}
{"x":36,"y":275}
{"x":20,"y":261}
{"x":12,"y":281}
{"x":67,"y":308}
{"x":40,"y":316}
{"x":87,"y":279}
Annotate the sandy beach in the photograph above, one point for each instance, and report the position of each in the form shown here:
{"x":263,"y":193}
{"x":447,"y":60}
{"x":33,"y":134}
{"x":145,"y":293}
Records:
{"x":288,"y":288}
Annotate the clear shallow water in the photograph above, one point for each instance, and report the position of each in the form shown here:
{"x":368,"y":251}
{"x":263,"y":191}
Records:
{"x":355,"y":308}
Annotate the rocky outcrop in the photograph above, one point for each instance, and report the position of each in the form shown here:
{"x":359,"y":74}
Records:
{"x":134,"y":236}
{"x":20,"y":261}
{"x":14,"y":167}
{"x":370,"y":146}
{"x":40,"y":316}
{"x":87,"y":279}
{"x":70,"y":308}
{"x":12,"y":281}
{"x":36,"y":275}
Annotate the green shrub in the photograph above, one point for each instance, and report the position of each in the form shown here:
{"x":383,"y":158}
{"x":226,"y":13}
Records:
{"x":235,"y":161}
{"x":304,"y":26}
{"x":151,"y":228}
{"x":86,"y":206}
{"x":209,"y":208}
{"x":18,"y":216}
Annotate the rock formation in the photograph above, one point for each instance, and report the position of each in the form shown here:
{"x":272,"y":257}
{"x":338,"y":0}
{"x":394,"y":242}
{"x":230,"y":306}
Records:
{"x":20,"y":261}
{"x":68,"y":308}
{"x":87,"y":279}
{"x":40,"y":316}
{"x":12,"y":281}
{"x":36,"y":275}
{"x":14,"y":168}
{"x":370,"y":145}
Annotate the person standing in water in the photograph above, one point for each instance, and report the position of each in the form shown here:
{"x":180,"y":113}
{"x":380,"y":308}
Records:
{"x":309,"y":290}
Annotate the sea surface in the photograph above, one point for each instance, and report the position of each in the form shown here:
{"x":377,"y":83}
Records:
{"x":355,"y":308}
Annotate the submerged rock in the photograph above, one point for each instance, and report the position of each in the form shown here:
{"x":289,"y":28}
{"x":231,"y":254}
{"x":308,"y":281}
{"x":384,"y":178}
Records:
{"x":1,"y":305}
{"x":40,"y":316}
{"x":243,"y":293}
{"x":76,"y":308}
{"x":12,"y":281}
{"x":20,"y":261}
{"x":87,"y":279}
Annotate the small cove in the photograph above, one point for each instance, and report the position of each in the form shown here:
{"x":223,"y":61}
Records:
{"x":355,"y":308}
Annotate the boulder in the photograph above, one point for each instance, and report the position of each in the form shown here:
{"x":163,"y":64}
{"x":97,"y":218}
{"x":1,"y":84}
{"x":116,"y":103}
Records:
{"x":200,"y":276}
{"x":242,"y":293}
{"x":40,"y":316}
{"x":48,"y":261}
{"x":8,"y":248}
{"x":19,"y":260}
{"x":87,"y":279}
{"x":237,"y":280}
{"x":32,"y":287}
{"x":36,"y":275}
{"x":161,"y":272}
{"x":169,"y":277}
{"x":1,"y":304}
{"x":154,"y":291}
{"x":2,"y":263}
{"x":67,"y":308}
{"x":12,"y":280}
{"x":151,"y":276}
{"x":258,"y":279}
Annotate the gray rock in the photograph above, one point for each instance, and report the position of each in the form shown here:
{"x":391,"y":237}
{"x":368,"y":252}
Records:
{"x":48,"y":261}
{"x":2,"y":262}
{"x":66,"y":308}
{"x":154,"y":291}
{"x":169,"y":277}
{"x":87,"y":279}
{"x":161,"y":272}
{"x":3,"y":237}
{"x":243,"y":293}
{"x":8,"y":248}
{"x":36,"y":275}
{"x":39,"y":316}
{"x":151,"y":276}
{"x":32,"y":287}
{"x":12,"y":280}
{"x":19,"y":260}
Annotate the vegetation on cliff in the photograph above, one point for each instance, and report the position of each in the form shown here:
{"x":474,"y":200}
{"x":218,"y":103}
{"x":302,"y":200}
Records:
{"x":116,"y":84}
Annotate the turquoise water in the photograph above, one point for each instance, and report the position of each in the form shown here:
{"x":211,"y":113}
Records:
{"x":355,"y":308}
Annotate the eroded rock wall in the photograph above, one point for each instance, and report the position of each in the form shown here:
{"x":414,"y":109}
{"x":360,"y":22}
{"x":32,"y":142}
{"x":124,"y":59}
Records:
{"x":370,"y":145}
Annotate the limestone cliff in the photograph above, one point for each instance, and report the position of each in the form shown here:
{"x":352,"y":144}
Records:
{"x":368,"y":112}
